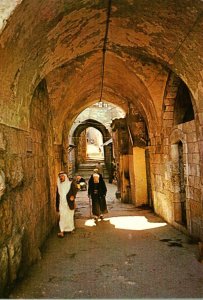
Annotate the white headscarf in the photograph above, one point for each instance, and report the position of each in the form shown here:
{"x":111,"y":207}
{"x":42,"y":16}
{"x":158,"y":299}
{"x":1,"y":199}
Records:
{"x":63,"y":187}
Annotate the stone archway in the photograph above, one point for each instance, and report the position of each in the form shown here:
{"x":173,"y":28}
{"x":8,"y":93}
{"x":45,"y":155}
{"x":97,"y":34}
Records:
{"x":77,"y":142}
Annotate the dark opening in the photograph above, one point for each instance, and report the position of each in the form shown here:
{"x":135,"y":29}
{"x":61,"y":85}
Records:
{"x":183,"y":109}
{"x":182,"y":185}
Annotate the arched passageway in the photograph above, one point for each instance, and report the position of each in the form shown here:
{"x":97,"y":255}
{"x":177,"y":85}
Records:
{"x":91,"y":131}
{"x":87,"y":142}
{"x":142,"y":56}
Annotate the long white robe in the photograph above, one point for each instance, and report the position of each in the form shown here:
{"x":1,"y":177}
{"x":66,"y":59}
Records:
{"x":66,"y":222}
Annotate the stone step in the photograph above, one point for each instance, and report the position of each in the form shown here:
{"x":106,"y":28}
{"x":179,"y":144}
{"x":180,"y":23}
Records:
{"x":86,"y":169}
{"x":89,"y":173}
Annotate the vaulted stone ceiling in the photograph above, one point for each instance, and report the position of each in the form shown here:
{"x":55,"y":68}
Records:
{"x":62,"y":41}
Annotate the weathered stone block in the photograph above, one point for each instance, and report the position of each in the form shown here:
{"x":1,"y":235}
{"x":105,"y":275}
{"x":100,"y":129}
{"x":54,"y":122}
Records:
{"x":168,"y":115}
{"x":153,"y":141}
{"x":29,"y":145}
{"x":200,"y":115}
{"x":189,"y":127}
{"x":162,"y":206}
{"x":166,"y":185}
{"x":6,"y":220}
{"x":166,"y":141}
{"x":201,"y":168}
{"x":200,"y":133}
{"x":2,"y":142}
{"x":194,"y":170}
{"x":13,"y":144}
{"x":195,"y":209}
{"x":15,"y":256}
{"x":169,"y":108}
{"x":191,"y":180}
{"x":201,"y":149}
{"x":195,"y":158}
{"x":15,"y":171}
{"x":4,"y":269}
{"x":197,"y":182}
{"x":159,"y":183}
{"x":166,"y":150}
{"x":167,"y":171}
{"x":195,"y":227}
{"x":2,"y":183}
{"x":158,"y":149}
{"x":152,"y":150}
{"x":177,"y":211}
{"x":168,"y":128}
{"x":190,"y":160}
{"x":193,"y":148}
{"x":157,"y":158}
{"x":189,"y":192}
{"x":191,"y":137}
{"x":171,"y":94}
{"x":169,"y":101}
{"x":28,"y":167}
{"x":197,"y":195}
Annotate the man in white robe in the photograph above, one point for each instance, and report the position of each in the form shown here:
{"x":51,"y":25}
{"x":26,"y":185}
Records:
{"x":65,"y":203}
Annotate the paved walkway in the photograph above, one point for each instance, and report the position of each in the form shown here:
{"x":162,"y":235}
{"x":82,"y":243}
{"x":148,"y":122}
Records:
{"x":130,"y":254}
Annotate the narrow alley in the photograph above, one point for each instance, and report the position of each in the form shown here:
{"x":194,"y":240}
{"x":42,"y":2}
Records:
{"x":132,"y":253}
{"x":115,"y":86}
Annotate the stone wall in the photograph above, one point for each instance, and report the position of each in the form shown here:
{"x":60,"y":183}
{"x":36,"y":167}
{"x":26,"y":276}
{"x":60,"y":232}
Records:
{"x":166,"y":183}
{"x":27,"y":209}
{"x":170,"y":191}
{"x":82,"y":148}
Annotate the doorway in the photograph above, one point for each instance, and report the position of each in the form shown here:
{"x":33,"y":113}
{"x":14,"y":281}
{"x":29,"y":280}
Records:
{"x":180,"y":215}
{"x":183,"y":220}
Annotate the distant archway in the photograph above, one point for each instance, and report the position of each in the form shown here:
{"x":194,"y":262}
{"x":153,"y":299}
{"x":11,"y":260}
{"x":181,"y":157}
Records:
{"x":79,"y":138}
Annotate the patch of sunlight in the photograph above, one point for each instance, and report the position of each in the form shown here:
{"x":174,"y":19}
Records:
{"x":90,"y":223}
{"x":133,"y":223}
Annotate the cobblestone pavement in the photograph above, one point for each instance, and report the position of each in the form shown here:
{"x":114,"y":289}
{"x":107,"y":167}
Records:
{"x":132,"y":253}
